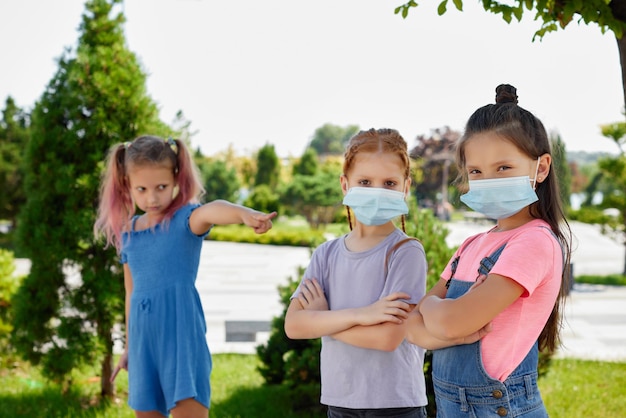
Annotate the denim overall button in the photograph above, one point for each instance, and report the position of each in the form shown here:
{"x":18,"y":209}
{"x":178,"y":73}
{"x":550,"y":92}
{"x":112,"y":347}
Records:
{"x":497,"y":394}
{"x":502,"y":411}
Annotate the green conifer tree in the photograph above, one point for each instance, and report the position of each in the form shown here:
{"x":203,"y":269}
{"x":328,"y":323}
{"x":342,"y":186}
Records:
{"x":66,"y":308}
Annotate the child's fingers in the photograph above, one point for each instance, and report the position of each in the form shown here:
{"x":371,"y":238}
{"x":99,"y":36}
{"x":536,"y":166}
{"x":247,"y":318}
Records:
{"x":263,"y":222}
{"x":317,"y":287}
{"x":264,"y":217}
{"x":399,"y":313}
{"x":396,"y":296}
{"x":114,"y":374}
{"x":305,"y":292}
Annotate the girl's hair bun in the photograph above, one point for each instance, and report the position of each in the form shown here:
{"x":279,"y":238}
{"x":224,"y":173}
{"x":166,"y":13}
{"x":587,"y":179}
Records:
{"x":506,"y":93}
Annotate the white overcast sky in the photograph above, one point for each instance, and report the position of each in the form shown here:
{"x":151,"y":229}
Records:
{"x":249,"y":72}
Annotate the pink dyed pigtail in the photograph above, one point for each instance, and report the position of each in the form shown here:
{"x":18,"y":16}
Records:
{"x":116,"y":206}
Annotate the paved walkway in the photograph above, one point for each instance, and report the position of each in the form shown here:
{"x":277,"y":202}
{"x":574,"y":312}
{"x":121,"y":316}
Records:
{"x":238,"y":287}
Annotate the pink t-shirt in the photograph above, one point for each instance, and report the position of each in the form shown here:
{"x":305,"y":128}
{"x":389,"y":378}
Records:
{"x":533,"y":258}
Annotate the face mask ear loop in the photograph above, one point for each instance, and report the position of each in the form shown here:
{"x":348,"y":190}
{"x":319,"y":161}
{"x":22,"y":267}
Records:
{"x":536,"y":173}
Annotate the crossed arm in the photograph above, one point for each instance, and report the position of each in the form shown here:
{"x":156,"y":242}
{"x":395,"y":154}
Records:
{"x":308,"y":316}
{"x":382,"y":325}
{"x":467,"y":317}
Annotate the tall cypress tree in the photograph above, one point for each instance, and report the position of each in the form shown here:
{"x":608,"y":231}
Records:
{"x":268,"y":167}
{"x":68,"y":305}
{"x":14,"y":131}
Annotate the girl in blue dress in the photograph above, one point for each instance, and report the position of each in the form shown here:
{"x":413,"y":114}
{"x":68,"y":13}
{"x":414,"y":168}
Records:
{"x":166,"y":354}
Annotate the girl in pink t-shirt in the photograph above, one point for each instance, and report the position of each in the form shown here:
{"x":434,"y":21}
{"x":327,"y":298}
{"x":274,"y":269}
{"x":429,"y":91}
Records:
{"x":509,"y":279}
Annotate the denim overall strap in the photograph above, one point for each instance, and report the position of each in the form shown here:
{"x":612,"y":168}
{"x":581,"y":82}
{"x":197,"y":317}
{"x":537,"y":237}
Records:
{"x":464,"y":389}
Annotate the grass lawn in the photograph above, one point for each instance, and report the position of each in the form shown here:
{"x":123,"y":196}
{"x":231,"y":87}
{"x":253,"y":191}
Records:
{"x":571,"y":389}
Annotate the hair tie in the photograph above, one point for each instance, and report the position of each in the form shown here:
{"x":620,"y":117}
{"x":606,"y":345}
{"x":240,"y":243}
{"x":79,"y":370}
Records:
{"x":127,"y":144}
{"x":170,"y":141}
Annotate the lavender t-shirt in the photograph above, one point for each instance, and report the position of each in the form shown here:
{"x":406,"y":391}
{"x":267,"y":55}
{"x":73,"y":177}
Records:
{"x":360,"y":378}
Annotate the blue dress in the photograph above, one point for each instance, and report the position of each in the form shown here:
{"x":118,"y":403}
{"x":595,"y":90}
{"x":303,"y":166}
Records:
{"x":168,"y":357}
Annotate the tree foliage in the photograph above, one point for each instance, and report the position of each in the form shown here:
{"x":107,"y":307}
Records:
{"x":14,"y":133}
{"x":268,"y":167}
{"x":317,"y":197}
{"x":308,"y":163}
{"x":609,"y":15}
{"x":562,"y":169}
{"x":263,"y":198}
{"x":220,"y":181}
{"x":434,"y":168}
{"x":8,"y":286}
{"x":614,"y":169}
{"x":67,"y":306}
{"x":331,"y":139}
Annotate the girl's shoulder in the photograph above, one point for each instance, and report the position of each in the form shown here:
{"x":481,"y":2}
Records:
{"x":129,"y":225}
{"x":331,"y":244}
{"x":186,"y":209}
{"x":399,"y":239}
{"x":535,"y":228}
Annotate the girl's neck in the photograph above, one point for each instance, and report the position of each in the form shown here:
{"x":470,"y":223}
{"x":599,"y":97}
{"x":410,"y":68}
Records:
{"x":364,"y":237}
{"x":147,"y":221}
{"x":515,"y":221}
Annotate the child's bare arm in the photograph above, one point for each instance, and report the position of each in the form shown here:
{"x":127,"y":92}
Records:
{"x":128,"y":287}
{"x":386,"y":336}
{"x":449,"y":319}
{"x":418,"y":334}
{"x":308,"y":315}
{"x":222,"y":212}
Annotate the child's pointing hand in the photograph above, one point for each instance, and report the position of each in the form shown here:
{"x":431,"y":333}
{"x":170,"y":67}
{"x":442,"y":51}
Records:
{"x":260,"y":222}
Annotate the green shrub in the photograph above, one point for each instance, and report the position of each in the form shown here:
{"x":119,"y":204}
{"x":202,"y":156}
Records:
{"x":593,"y":215}
{"x":276,"y":236}
{"x":293,"y":363}
{"x":431,"y":232}
{"x":263,"y":198}
{"x":8,"y":286}
{"x":610,"y":280}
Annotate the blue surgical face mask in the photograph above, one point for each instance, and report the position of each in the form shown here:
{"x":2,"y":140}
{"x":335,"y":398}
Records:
{"x":502,"y":197}
{"x":375,"y":206}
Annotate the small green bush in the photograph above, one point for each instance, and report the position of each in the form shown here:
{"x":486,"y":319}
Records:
{"x":593,"y":215}
{"x":8,"y":286}
{"x":292,"y":363}
{"x":263,"y":198}
{"x":610,"y":280}
{"x":276,"y":236}
{"x":295,"y":362}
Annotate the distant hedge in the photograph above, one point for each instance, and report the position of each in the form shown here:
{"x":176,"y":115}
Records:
{"x":278,"y":236}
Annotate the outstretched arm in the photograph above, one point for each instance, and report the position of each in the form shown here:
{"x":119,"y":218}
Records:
{"x":222,"y":212}
{"x":308,"y":315}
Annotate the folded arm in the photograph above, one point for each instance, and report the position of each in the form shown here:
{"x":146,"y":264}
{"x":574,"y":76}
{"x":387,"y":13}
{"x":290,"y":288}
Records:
{"x":386,"y":336}
{"x":308,"y":315}
{"x":451,"y":319}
